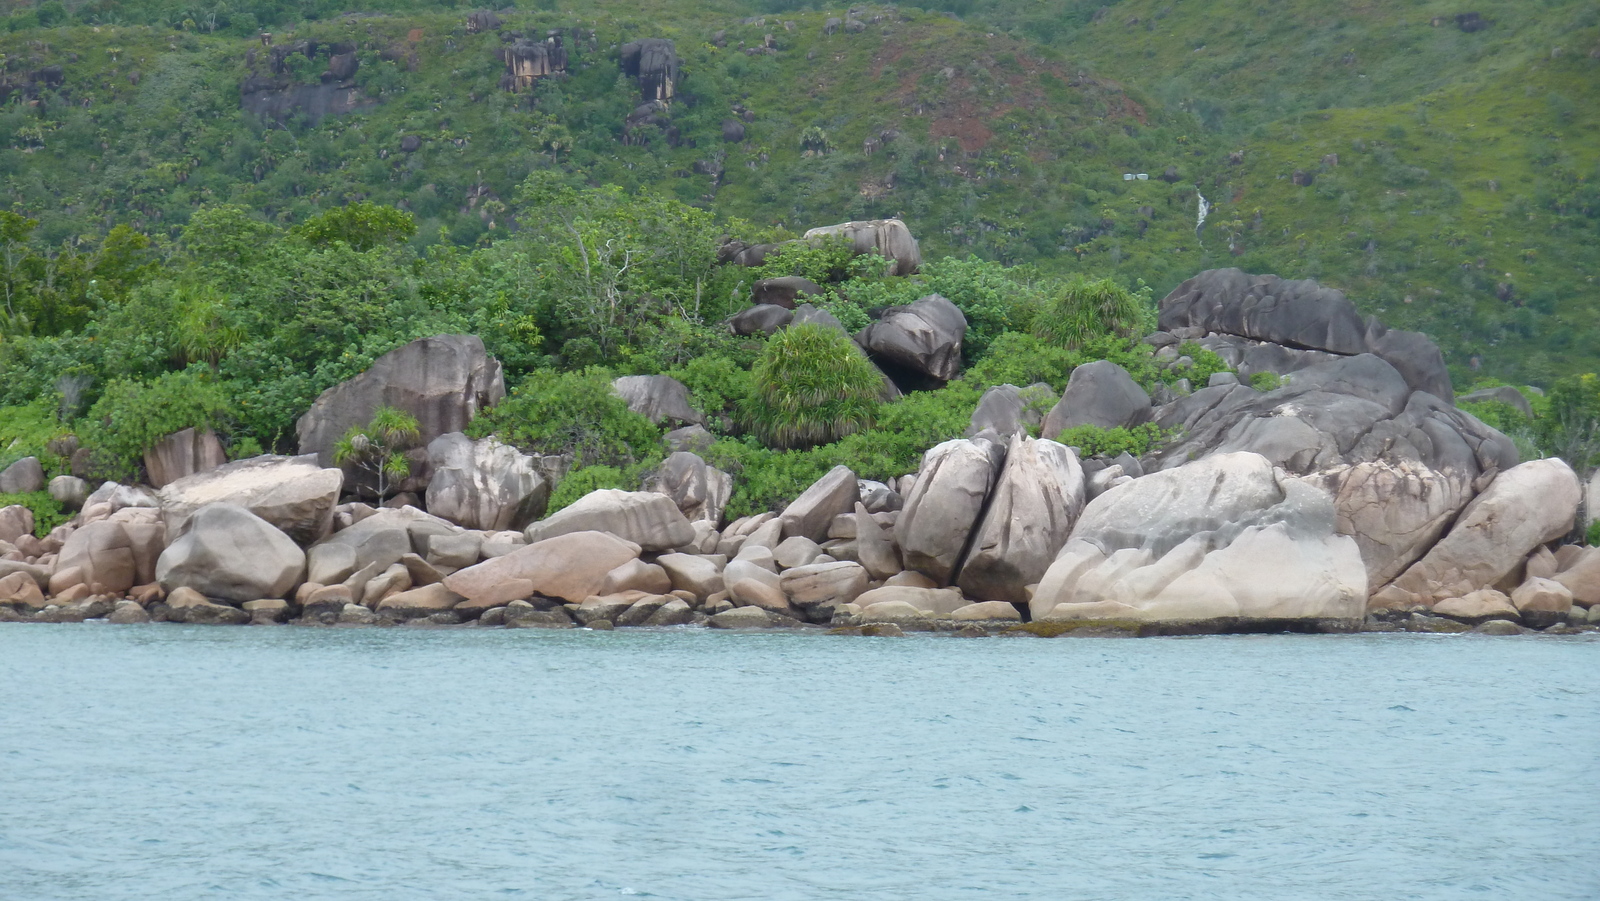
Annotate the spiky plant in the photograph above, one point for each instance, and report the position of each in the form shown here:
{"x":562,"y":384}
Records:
{"x":380,"y":447}
{"x":1088,"y":309}
{"x":811,"y":385}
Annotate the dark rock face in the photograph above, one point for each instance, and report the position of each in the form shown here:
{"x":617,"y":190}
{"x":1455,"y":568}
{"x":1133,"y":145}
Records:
{"x":481,"y":21}
{"x":654,"y":62}
{"x":274,"y":99}
{"x":732,"y":130}
{"x":1399,"y":463}
{"x":1470,"y":22}
{"x":443,"y":381}
{"x":1100,"y":394}
{"x":527,"y":61}
{"x":1302,"y":315}
{"x":1505,"y":394}
{"x":784,"y":291}
{"x":1302,"y":178}
{"x":410,"y":144}
{"x":762,"y":319}
{"x":918,"y":339}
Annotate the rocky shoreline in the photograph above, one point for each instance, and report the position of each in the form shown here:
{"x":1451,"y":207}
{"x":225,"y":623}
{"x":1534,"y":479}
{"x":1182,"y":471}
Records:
{"x":1347,"y":493}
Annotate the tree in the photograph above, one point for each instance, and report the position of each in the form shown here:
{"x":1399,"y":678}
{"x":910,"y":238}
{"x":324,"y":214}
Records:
{"x":361,"y":225}
{"x":380,"y":447}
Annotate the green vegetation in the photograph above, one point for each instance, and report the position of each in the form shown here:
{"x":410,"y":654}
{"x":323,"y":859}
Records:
{"x":1093,"y":440}
{"x":811,"y":385}
{"x":172,"y":257}
{"x":1266,"y":381}
{"x":47,"y":511}
{"x":380,"y":447}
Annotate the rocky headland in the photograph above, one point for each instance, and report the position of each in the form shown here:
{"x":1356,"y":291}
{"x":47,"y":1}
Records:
{"x":1345,"y":493}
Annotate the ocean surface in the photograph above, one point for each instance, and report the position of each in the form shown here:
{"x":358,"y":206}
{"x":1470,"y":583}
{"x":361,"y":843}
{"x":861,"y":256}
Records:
{"x":178,"y":762}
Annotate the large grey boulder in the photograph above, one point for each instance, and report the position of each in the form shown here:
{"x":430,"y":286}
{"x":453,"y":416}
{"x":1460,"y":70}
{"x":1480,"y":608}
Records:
{"x":295,"y":494}
{"x":180,"y":454}
{"x":1525,"y":507}
{"x":945,"y":503}
{"x":889,"y":238}
{"x":1030,"y":513}
{"x":809,"y":514}
{"x":761,"y":319}
{"x":700,"y":491}
{"x":1100,"y":394}
{"x":658,"y":398}
{"x":374,"y":544}
{"x":22,"y":477}
{"x":1300,"y":314}
{"x":1400,"y":464}
{"x":1007,"y":409}
{"x":784,"y":291}
{"x":443,"y":381}
{"x":1228,"y":538}
{"x":645,"y":518}
{"x":922,"y":337}
{"x":69,"y":491}
{"x":484,"y":484}
{"x":653,"y":62}
{"x":228,"y":552}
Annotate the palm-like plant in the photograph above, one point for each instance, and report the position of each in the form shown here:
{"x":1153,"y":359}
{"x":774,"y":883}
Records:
{"x":1089,"y":309}
{"x":380,"y":447}
{"x":811,"y":385}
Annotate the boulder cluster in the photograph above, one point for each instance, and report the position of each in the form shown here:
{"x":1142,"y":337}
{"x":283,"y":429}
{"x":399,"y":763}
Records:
{"x":1346,"y":493}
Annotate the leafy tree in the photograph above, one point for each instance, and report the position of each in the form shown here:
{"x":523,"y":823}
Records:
{"x":812,"y":385}
{"x":380,"y":446}
{"x":1093,"y":440}
{"x":362,"y":226}
{"x":1571,"y":428}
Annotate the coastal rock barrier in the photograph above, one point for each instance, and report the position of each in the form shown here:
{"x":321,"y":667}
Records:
{"x":1347,"y":493}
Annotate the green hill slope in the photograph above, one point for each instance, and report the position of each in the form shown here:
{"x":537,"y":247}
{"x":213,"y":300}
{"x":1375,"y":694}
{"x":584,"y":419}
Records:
{"x":1462,"y":202}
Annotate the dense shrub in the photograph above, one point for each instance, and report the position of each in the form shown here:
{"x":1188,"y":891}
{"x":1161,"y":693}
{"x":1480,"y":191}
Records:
{"x":131,"y":416}
{"x":811,"y":385}
{"x":1092,"y":440}
{"x":47,"y":511}
{"x":571,"y":413}
{"x":1084,"y":309}
{"x":581,"y":481}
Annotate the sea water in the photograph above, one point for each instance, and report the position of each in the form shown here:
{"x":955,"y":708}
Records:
{"x":178,"y":762}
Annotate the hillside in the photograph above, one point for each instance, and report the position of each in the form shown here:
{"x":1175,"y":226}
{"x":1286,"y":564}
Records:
{"x":1450,"y":173}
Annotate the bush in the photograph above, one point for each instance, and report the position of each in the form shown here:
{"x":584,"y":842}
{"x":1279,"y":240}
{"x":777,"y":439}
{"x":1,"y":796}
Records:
{"x":26,"y":431}
{"x":47,"y":511}
{"x":132,"y":416}
{"x":1084,"y":310}
{"x":580,"y":482}
{"x":1017,"y":358}
{"x":811,"y":385}
{"x":1266,"y":381}
{"x":1092,"y":440}
{"x":716,"y":384}
{"x":571,"y":413}
{"x":1206,"y":364}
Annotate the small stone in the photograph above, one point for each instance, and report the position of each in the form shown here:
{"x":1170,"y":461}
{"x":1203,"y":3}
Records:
{"x":1499,"y":627}
{"x":882,"y":630}
{"x":602,"y":625}
{"x":743,"y":618}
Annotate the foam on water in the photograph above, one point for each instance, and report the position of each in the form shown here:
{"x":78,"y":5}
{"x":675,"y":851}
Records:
{"x":170,"y":762}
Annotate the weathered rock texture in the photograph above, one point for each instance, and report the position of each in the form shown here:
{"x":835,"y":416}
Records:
{"x":1399,"y":463}
{"x":443,"y":381}
{"x":484,"y":484}
{"x":1225,"y":538}
{"x":292,"y":493}
{"x":1030,"y":514}
{"x":1527,"y":506}
{"x":945,"y":503}
{"x":888,"y":238}
{"x":228,"y":552}
{"x":181,"y":454}
{"x":658,"y":398}
{"x":645,"y":518}
{"x":923,"y":338}
{"x":1301,"y":314}
{"x":654,"y":63}
{"x":699,"y":491}
{"x":1099,"y":394}
{"x":570,"y":567}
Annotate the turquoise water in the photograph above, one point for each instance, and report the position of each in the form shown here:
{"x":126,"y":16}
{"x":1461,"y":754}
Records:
{"x":172,"y":762}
